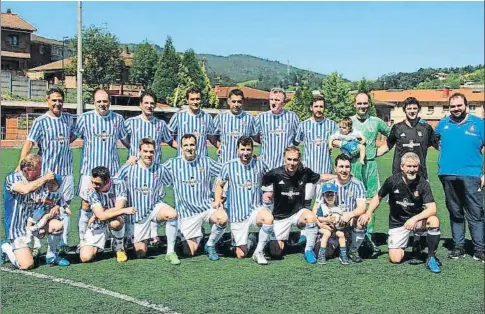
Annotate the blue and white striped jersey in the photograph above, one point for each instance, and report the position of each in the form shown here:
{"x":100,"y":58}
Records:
{"x":347,"y":194}
{"x":52,"y":135}
{"x":54,"y":198}
{"x":315,"y":135}
{"x":138,"y":128}
{"x":100,"y":135}
{"x":107,"y":200}
{"x":230,"y":128}
{"x":191,"y":181}
{"x":183,"y":122}
{"x":277,"y":132}
{"x":18,"y":208}
{"x":244,"y":186}
{"x":145,"y":187}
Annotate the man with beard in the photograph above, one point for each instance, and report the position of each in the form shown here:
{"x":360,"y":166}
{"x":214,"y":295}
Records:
{"x":411,"y":135}
{"x":461,"y":174}
{"x":276,"y":129}
{"x":192,"y":120}
{"x":289,"y":187}
{"x":412,"y":209}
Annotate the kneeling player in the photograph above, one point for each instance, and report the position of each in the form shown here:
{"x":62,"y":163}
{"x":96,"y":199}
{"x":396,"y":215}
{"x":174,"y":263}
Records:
{"x":243,"y":177}
{"x":412,"y":209}
{"x":107,"y":200}
{"x":329,"y":222}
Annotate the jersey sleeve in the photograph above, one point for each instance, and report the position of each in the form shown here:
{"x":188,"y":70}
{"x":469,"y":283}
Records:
{"x":360,"y":192}
{"x":120,"y":189}
{"x":122,"y":132}
{"x":313,"y":177}
{"x":214,"y":167}
{"x":427,"y":193}
{"x":252,"y":126}
{"x":385,"y":188}
{"x":93,"y":198}
{"x":392,"y":138}
{"x":9,"y":182}
{"x":300,"y":134}
{"x":216,"y":127}
{"x":128,"y":127}
{"x":210,"y":125}
{"x":257,"y":125}
{"x":35,"y":132}
{"x":165,"y":133}
{"x":383,"y":128}
{"x":224,"y":175}
{"x":80,"y":128}
{"x":166,"y":173}
{"x":173,"y":123}
{"x":268,"y":181}
{"x":295,"y":123}
{"x":433,"y":138}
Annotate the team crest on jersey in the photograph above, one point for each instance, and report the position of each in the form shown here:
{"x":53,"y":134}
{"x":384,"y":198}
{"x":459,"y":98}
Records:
{"x":155,"y":176}
{"x":472,"y":128}
{"x":196,"y":133}
{"x":201,"y":169}
{"x":350,"y":193}
{"x":420,"y":133}
{"x":244,"y":123}
{"x":115,"y":125}
{"x":61,"y":138}
{"x":158,"y":129}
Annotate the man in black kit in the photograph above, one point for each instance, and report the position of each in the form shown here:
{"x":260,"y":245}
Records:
{"x":412,"y":209}
{"x":290,"y":186}
{"x":411,"y":135}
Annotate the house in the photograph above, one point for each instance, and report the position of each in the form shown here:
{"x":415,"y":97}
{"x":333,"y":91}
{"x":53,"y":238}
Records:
{"x":434,"y":103}
{"x":16,"y":44}
{"x":44,"y":50}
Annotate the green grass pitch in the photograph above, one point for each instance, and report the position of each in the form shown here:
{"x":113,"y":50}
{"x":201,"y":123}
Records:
{"x":241,"y":286}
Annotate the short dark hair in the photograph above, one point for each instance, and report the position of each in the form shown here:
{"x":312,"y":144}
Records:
{"x":346,"y":122}
{"x":236,"y":92}
{"x":192,"y":91}
{"x":55,"y":89}
{"x":147,"y":93}
{"x":410,"y":101}
{"x":456,"y":95}
{"x":244,"y":141}
{"x":101,"y":172}
{"x":188,"y":135}
{"x":146,"y":141}
{"x":318,"y":98}
{"x":342,"y":157}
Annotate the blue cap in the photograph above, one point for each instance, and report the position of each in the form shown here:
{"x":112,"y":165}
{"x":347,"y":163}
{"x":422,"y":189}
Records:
{"x":58,"y":178}
{"x":329,"y":187}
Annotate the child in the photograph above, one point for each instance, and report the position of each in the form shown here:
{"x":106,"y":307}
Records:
{"x":328,"y":218}
{"x":351,"y":142}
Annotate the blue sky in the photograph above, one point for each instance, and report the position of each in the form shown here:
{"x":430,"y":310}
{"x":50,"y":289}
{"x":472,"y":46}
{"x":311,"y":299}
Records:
{"x":357,"y":39}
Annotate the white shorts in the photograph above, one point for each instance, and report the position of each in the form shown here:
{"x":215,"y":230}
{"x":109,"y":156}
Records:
{"x":282,"y":227}
{"x":190,"y":227}
{"x":67,"y":189}
{"x":22,"y":243}
{"x":142,"y":228}
{"x":399,"y":237}
{"x":240,"y":230}
{"x":84,"y":184}
{"x":95,"y":237}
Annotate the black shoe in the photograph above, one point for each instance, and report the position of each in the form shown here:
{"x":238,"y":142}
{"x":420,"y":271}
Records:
{"x":479,"y":256}
{"x":354,"y":256}
{"x":456,"y":253}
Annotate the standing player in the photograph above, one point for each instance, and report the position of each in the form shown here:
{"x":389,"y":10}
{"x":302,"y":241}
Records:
{"x":143,"y":126}
{"x":244,"y":175}
{"x":145,"y":183}
{"x":412,"y":209}
{"x":107,"y":200}
{"x":192,"y":120}
{"x":100,"y":129}
{"x":276,"y":129}
{"x":190,"y":176}
{"x":411,"y":135}
{"x":19,"y":201}
{"x":53,"y":133}
{"x":289,"y":187}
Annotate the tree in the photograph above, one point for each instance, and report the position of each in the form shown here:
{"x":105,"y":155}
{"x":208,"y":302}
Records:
{"x":301,"y":101}
{"x":194,"y":67}
{"x":338,"y":102}
{"x":177,"y":98}
{"x":145,"y":61}
{"x":363,"y":87}
{"x":209,"y":96}
{"x":102,"y":62}
{"x":167,"y":74}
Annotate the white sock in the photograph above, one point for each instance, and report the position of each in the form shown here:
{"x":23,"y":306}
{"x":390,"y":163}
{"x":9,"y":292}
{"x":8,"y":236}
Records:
{"x":66,"y":223}
{"x":153,"y":229}
{"x":311,"y":232}
{"x":216,"y":234}
{"x":119,"y":236}
{"x":7,"y":249}
{"x":37,"y":244}
{"x":83,"y":222}
{"x":357,"y":239}
{"x":264,"y":234}
{"x":53,"y":240}
{"x":303,"y":233}
{"x":171,"y":233}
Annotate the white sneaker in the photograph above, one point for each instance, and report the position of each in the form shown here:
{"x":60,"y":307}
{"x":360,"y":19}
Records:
{"x":259,"y":258}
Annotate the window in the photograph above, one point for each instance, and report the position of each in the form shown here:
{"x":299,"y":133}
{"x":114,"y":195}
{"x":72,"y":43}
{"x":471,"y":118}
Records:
{"x":473,"y":108}
{"x":13,"y":40}
{"x":430,"y":109}
{"x":42,"y":49}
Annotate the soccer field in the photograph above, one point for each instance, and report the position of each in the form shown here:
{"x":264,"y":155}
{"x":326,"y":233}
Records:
{"x":229,"y":285}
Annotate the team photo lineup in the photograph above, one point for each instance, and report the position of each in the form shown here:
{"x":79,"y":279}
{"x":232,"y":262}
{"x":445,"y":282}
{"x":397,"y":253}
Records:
{"x":293,"y":184}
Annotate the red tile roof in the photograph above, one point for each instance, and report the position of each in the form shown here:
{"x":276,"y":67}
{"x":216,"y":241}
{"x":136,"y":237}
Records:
{"x":14,"y":21}
{"x":19,"y":55}
{"x":429,"y":95}
{"x":249,"y":93}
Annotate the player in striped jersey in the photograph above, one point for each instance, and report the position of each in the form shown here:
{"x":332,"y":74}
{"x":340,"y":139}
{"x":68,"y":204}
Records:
{"x":190,"y":175}
{"x":53,"y":132}
{"x":100,"y":129}
{"x":276,"y":129}
{"x":145,"y":183}
{"x":192,"y":120}
{"x":230,"y":126}
{"x":147,"y":125}
{"x":19,"y":201}
{"x":351,"y":199}
{"x":107,"y":200}
{"x":244,"y":175}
